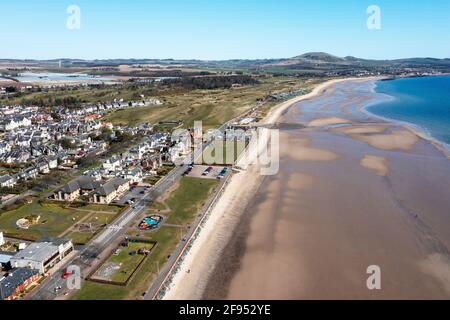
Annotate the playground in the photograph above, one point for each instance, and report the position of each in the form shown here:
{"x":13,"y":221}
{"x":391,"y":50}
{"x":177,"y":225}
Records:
{"x":36,"y":219}
{"x":151,"y":223}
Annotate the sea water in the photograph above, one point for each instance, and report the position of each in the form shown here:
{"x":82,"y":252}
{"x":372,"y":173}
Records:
{"x":423,"y":102}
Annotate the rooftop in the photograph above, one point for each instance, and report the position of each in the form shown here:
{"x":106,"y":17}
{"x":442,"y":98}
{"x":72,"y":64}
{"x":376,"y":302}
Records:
{"x":13,"y":279}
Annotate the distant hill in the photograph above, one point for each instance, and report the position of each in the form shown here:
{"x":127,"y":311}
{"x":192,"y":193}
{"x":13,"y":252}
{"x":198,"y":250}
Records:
{"x":318,"y":57}
{"x":311,"y":63}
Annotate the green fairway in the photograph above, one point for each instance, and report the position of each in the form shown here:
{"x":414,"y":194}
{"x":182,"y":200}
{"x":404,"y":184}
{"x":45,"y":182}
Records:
{"x":213,"y":107}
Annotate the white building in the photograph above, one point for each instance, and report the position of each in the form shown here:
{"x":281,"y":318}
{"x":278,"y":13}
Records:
{"x":2,"y":240}
{"x":42,"y":255}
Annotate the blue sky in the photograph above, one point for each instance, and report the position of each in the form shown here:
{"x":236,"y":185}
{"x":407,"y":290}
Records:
{"x":219,"y":29}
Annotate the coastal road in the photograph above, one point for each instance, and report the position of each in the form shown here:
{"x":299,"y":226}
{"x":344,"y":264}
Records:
{"x":89,"y":256}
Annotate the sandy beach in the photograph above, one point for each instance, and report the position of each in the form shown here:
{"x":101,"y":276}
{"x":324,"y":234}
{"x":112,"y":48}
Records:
{"x":352,"y":191}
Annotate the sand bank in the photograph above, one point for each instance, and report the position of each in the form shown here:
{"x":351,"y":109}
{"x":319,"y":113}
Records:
{"x":378,"y":164}
{"x":225,"y":216}
{"x":312,"y":230}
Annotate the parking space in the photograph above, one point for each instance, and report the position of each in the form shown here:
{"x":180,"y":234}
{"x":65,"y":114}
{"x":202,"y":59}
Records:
{"x":135,"y":194}
{"x":207,"y":172}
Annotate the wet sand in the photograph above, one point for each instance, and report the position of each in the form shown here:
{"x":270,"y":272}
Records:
{"x":352,"y":191}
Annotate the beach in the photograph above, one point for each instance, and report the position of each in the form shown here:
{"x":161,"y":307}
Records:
{"x":352,"y":191}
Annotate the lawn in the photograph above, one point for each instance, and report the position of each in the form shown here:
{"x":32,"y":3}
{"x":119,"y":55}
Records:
{"x":54,"y":220}
{"x":128,"y":261}
{"x":101,"y":208}
{"x":186,"y":201}
{"x":97,"y":218}
{"x":80,"y":238}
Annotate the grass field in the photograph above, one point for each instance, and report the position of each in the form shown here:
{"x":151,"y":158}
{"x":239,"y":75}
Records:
{"x":213,"y":107}
{"x":104,"y":215}
{"x":182,"y":206}
{"x":54,"y":220}
{"x":187,"y":200}
{"x":101,"y":208}
{"x":223,"y":152}
{"x":80,"y":238}
{"x":128,"y":262}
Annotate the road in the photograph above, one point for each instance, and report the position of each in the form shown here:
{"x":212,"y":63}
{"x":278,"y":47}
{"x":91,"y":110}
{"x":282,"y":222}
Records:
{"x":89,"y":256}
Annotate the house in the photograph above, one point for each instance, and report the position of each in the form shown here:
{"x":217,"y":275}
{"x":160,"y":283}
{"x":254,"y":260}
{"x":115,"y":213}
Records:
{"x":2,"y":240}
{"x":42,"y":255}
{"x":4,"y":147}
{"x":112,"y":164}
{"x":29,"y":173}
{"x":52,"y":162}
{"x":16,"y":281}
{"x":179,"y":151}
{"x":14,"y":122}
{"x":134,"y":175}
{"x":110,"y":190}
{"x":96,"y":191}
{"x":76,"y":188}
{"x":152,"y":163}
{"x":17,"y":156}
{"x":7,"y":181}
{"x":42,"y":167}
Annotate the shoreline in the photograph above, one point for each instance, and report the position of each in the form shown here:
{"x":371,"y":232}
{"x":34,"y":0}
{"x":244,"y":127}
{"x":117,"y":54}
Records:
{"x":416,"y":129}
{"x":190,"y":280}
{"x":339,"y":203}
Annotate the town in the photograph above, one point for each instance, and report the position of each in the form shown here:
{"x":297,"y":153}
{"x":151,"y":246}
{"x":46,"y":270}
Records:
{"x":93,"y":174}
{"x":68,"y":164}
